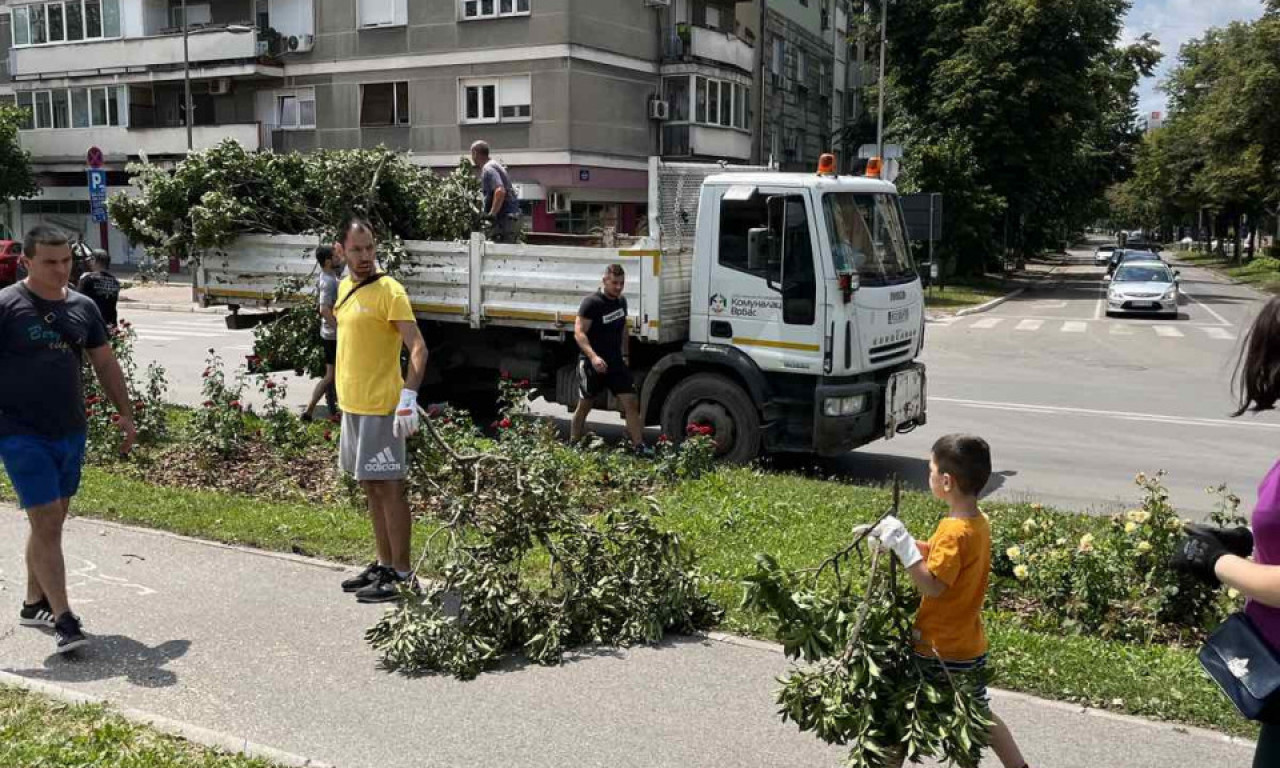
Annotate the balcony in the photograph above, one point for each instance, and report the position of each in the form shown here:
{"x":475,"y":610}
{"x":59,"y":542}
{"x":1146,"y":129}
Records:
{"x":692,"y":140}
{"x":118,"y":143}
{"x":123,"y":55}
{"x":689,"y":43}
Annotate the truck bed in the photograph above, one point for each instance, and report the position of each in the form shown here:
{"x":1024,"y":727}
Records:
{"x":478,"y":283}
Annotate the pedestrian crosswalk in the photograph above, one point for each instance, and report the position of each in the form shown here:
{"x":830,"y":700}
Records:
{"x":185,"y":330}
{"x":1114,"y":327}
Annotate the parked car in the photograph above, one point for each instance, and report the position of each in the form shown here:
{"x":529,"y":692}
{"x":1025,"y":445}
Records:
{"x":10,"y":250}
{"x":1148,"y":286}
{"x":1102,"y":254}
{"x":1122,"y":255}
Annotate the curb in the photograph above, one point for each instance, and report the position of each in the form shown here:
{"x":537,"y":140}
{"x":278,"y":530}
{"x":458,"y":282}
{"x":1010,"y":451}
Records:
{"x":184,"y":308}
{"x":990,"y":305}
{"x":224,"y":742}
{"x":1062,"y":706}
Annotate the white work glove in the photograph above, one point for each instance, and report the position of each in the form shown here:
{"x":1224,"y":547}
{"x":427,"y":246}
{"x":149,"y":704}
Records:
{"x":406,"y":414}
{"x":894,"y":535}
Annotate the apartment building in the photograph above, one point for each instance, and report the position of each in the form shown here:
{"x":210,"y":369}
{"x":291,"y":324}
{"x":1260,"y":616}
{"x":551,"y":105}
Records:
{"x":573,"y":95}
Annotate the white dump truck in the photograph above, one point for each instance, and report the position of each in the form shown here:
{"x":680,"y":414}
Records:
{"x":782,"y":310}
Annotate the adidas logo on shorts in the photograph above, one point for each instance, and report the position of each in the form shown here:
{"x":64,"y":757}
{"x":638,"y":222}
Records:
{"x":385,"y":461}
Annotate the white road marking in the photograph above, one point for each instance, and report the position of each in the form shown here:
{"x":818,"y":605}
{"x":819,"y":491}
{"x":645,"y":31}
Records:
{"x":1168,"y":331}
{"x":1054,"y":410}
{"x":203,"y":326}
{"x":1208,"y":309}
{"x":1220,"y":333}
{"x":157,"y":337}
{"x":1102,"y":301}
{"x":1075,"y":326}
{"x":1029,"y":325}
{"x":1121,"y":330}
{"x":987,"y":323}
{"x":188,"y":334}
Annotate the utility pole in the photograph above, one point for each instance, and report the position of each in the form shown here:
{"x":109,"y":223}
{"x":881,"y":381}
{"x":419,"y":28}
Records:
{"x":186,"y":72}
{"x":884,"y":27}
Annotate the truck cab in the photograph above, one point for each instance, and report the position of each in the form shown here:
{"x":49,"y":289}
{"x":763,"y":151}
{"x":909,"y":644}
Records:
{"x":805,"y":299}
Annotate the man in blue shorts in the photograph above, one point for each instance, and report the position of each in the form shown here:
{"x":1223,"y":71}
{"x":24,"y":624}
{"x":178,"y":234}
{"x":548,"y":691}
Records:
{"x":44,"y":331}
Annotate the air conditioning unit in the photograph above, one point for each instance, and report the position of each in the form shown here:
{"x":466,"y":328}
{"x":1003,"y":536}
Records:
{"x":559,"y":202}
{"x":301,"y":43}
{"x":220,"y":87}
{"x":657,"y":3}
{"x":659,"y":110}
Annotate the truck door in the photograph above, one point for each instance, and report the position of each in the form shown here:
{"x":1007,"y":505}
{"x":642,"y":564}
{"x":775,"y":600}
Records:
{"x":766,"y":292}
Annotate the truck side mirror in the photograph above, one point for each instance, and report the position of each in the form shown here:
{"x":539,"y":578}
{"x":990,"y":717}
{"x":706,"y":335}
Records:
{"x":759,"y":249}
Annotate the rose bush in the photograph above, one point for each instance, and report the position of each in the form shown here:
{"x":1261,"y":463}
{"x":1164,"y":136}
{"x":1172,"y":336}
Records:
{"x":145,"y":394}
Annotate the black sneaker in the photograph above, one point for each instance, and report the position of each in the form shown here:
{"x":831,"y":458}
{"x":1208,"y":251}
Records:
{"x":37,"y":614}
{"x":67,"y":634}
{"x":366,"y":577}
{"x":387,"y":588}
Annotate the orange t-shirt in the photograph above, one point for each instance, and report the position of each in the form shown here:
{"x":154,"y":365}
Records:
{"x":959,"y":555}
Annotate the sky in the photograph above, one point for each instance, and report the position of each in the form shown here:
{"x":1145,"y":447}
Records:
{"x":1174,"y":22}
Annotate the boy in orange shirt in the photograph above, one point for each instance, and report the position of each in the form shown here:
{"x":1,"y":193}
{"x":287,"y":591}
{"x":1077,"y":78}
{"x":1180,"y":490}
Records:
{"x":952,"y":570}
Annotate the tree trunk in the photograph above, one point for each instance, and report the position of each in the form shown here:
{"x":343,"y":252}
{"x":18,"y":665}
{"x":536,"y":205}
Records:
{"x":1235,"y":245}
{"x":1253,"y":243}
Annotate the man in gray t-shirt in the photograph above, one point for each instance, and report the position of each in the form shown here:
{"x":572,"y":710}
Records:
{"x":501,"y":205}
{"x":326,"y":299}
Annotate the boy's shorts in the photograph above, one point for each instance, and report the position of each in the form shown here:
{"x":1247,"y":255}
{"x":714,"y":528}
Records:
{"x":42,"y":469}
{"x":974,"y":670}
{"x":369,"y":450}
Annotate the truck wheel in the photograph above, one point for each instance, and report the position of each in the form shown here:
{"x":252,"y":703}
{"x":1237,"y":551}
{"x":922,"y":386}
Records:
{"x":711,"y":400}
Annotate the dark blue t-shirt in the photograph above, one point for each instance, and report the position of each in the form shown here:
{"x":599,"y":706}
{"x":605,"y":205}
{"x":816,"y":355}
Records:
{"x":492,"y":176}
{"x":41,"y":391}
{"x":608,"y":325}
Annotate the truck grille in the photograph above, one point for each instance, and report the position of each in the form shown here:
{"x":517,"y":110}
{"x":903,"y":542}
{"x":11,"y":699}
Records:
{"x":889,"y":352}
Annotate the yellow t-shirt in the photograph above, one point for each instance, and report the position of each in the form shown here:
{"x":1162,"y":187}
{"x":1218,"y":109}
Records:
{"x":367,"y":372}
{"x":959,"y":556}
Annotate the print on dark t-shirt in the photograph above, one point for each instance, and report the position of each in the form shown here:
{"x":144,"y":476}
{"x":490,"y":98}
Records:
{"x":104,"y":289}
{"x":41,"y":392}
{"x":608,"y":325}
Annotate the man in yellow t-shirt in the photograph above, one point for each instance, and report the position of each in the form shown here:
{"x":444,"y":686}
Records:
{"x":951,"y":572}
{"x":379,"y":406}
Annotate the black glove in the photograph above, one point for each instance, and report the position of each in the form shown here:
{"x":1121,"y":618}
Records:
{"x":1197,"y":555}
{"x":1238,"y":541}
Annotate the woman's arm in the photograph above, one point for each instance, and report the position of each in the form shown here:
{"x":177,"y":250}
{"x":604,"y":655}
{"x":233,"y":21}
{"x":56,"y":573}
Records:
{"x":1259,"y":582}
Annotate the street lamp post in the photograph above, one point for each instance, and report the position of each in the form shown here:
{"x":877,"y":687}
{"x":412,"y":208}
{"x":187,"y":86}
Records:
{"x":884,"y":26}
{"x":186,"y":71}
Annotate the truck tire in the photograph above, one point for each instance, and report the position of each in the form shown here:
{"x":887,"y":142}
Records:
{"x":719,"y":402}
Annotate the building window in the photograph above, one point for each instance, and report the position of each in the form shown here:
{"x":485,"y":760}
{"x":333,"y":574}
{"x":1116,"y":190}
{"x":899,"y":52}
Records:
{"x":802,"y":69}
{"x":492,"y":9}
{"x":715,"y":102}
{"x":583,"y":218}
{"x":74,"y":108}
{"x":297,"y":110}
{"x":778,"y":62}
{"x":65,"y":21}
{"x":384,"y":104}
{"x":383,"y":13}
{"x":197,"y":13}
{"x":506,"y":100}
{"x":676,"y":94}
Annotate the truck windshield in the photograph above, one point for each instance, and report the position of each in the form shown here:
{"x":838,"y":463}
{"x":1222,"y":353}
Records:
{"x":867,"y":237}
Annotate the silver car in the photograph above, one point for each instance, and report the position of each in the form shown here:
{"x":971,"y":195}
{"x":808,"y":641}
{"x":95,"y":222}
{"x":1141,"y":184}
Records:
{"x":1102,"y":254}
{"x":1143,"y":286}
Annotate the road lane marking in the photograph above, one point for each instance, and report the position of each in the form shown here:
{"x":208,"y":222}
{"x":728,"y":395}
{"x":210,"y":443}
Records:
{"x":987,"y":323}
{"x":1075,"y":326}
{"x":206,"y":326}
{"x":1102,"y":301}
{"x":181,"y":333}
{"x":157,"y":337}
{"x":1208,"y":309}
{"x":1029,"y":325}
{"x":1168,"y":331}
{"x":1220,"y":333}
{"x":1121,"y":330}
{"x":1054,"y":410}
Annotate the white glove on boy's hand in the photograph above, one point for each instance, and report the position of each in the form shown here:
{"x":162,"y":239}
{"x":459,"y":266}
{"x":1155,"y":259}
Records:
{"x":406,"y":423}
{"x":894,"y":535}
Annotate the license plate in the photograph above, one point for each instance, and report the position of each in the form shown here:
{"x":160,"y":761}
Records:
{"x":899,"y":315}
{"x":904,"y":400}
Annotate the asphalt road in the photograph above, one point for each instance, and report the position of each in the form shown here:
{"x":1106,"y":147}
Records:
{"x":1072,"y":402}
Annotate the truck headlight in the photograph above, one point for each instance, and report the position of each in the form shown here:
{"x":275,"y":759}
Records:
{"x":844,"y":406}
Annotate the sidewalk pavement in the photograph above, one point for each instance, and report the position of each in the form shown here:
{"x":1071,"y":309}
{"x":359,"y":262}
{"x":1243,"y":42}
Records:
{"x":265,"y":648}
{"x":163,"y":297}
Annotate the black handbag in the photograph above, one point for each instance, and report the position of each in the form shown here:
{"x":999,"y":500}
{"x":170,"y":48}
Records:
{"x":1245,"y":667}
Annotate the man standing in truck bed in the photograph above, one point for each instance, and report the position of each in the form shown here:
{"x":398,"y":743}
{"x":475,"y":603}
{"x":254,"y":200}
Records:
{"x":601,"y":333}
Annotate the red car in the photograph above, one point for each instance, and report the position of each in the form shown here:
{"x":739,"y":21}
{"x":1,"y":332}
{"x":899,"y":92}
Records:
{"x":10,"y":250}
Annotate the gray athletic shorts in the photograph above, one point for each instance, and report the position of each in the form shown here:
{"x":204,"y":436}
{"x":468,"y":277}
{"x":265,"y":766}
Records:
{"x":369,"y":450}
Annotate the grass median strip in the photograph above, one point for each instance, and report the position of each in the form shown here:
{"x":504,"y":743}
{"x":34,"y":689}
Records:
{"x":36,"y":731}
{"x":728,"y":517}
{"x":964,"y":293}
{"x":1262,"y":272}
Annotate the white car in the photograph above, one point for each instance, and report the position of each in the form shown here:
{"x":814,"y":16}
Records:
{"x":1102,"y":254}
{"x":1143,"y":286}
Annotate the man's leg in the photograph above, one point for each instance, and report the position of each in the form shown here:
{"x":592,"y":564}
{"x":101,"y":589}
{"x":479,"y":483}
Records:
{"x":579,"y":419}
{"x":635,"y":427}
{"x":397,"y":523}
{"x":321,"y":389}
{"x":373,"y":491}
{"x":44,"y":553}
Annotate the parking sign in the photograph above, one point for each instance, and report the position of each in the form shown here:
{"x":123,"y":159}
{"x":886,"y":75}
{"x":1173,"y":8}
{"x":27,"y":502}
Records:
{"x":98,"y":194}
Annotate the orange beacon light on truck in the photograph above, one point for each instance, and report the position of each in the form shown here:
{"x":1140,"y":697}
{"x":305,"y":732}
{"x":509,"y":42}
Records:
{"x":827,"y":165}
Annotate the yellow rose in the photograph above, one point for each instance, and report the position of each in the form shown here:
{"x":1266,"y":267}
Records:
{"x":1140,"y":478}
{"x":1014,"y":553}
{"x":1037,"y":507}
{"x":1132,"y":515}
{"x":1144,"y":546}
{"x":1029,"y":525}
{"x":1021,"y":572}
{"x":1086,"y":542}
{"x":1130,"y":527}
{"x":1143,"y":516}
{"x":1233,"y":593}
